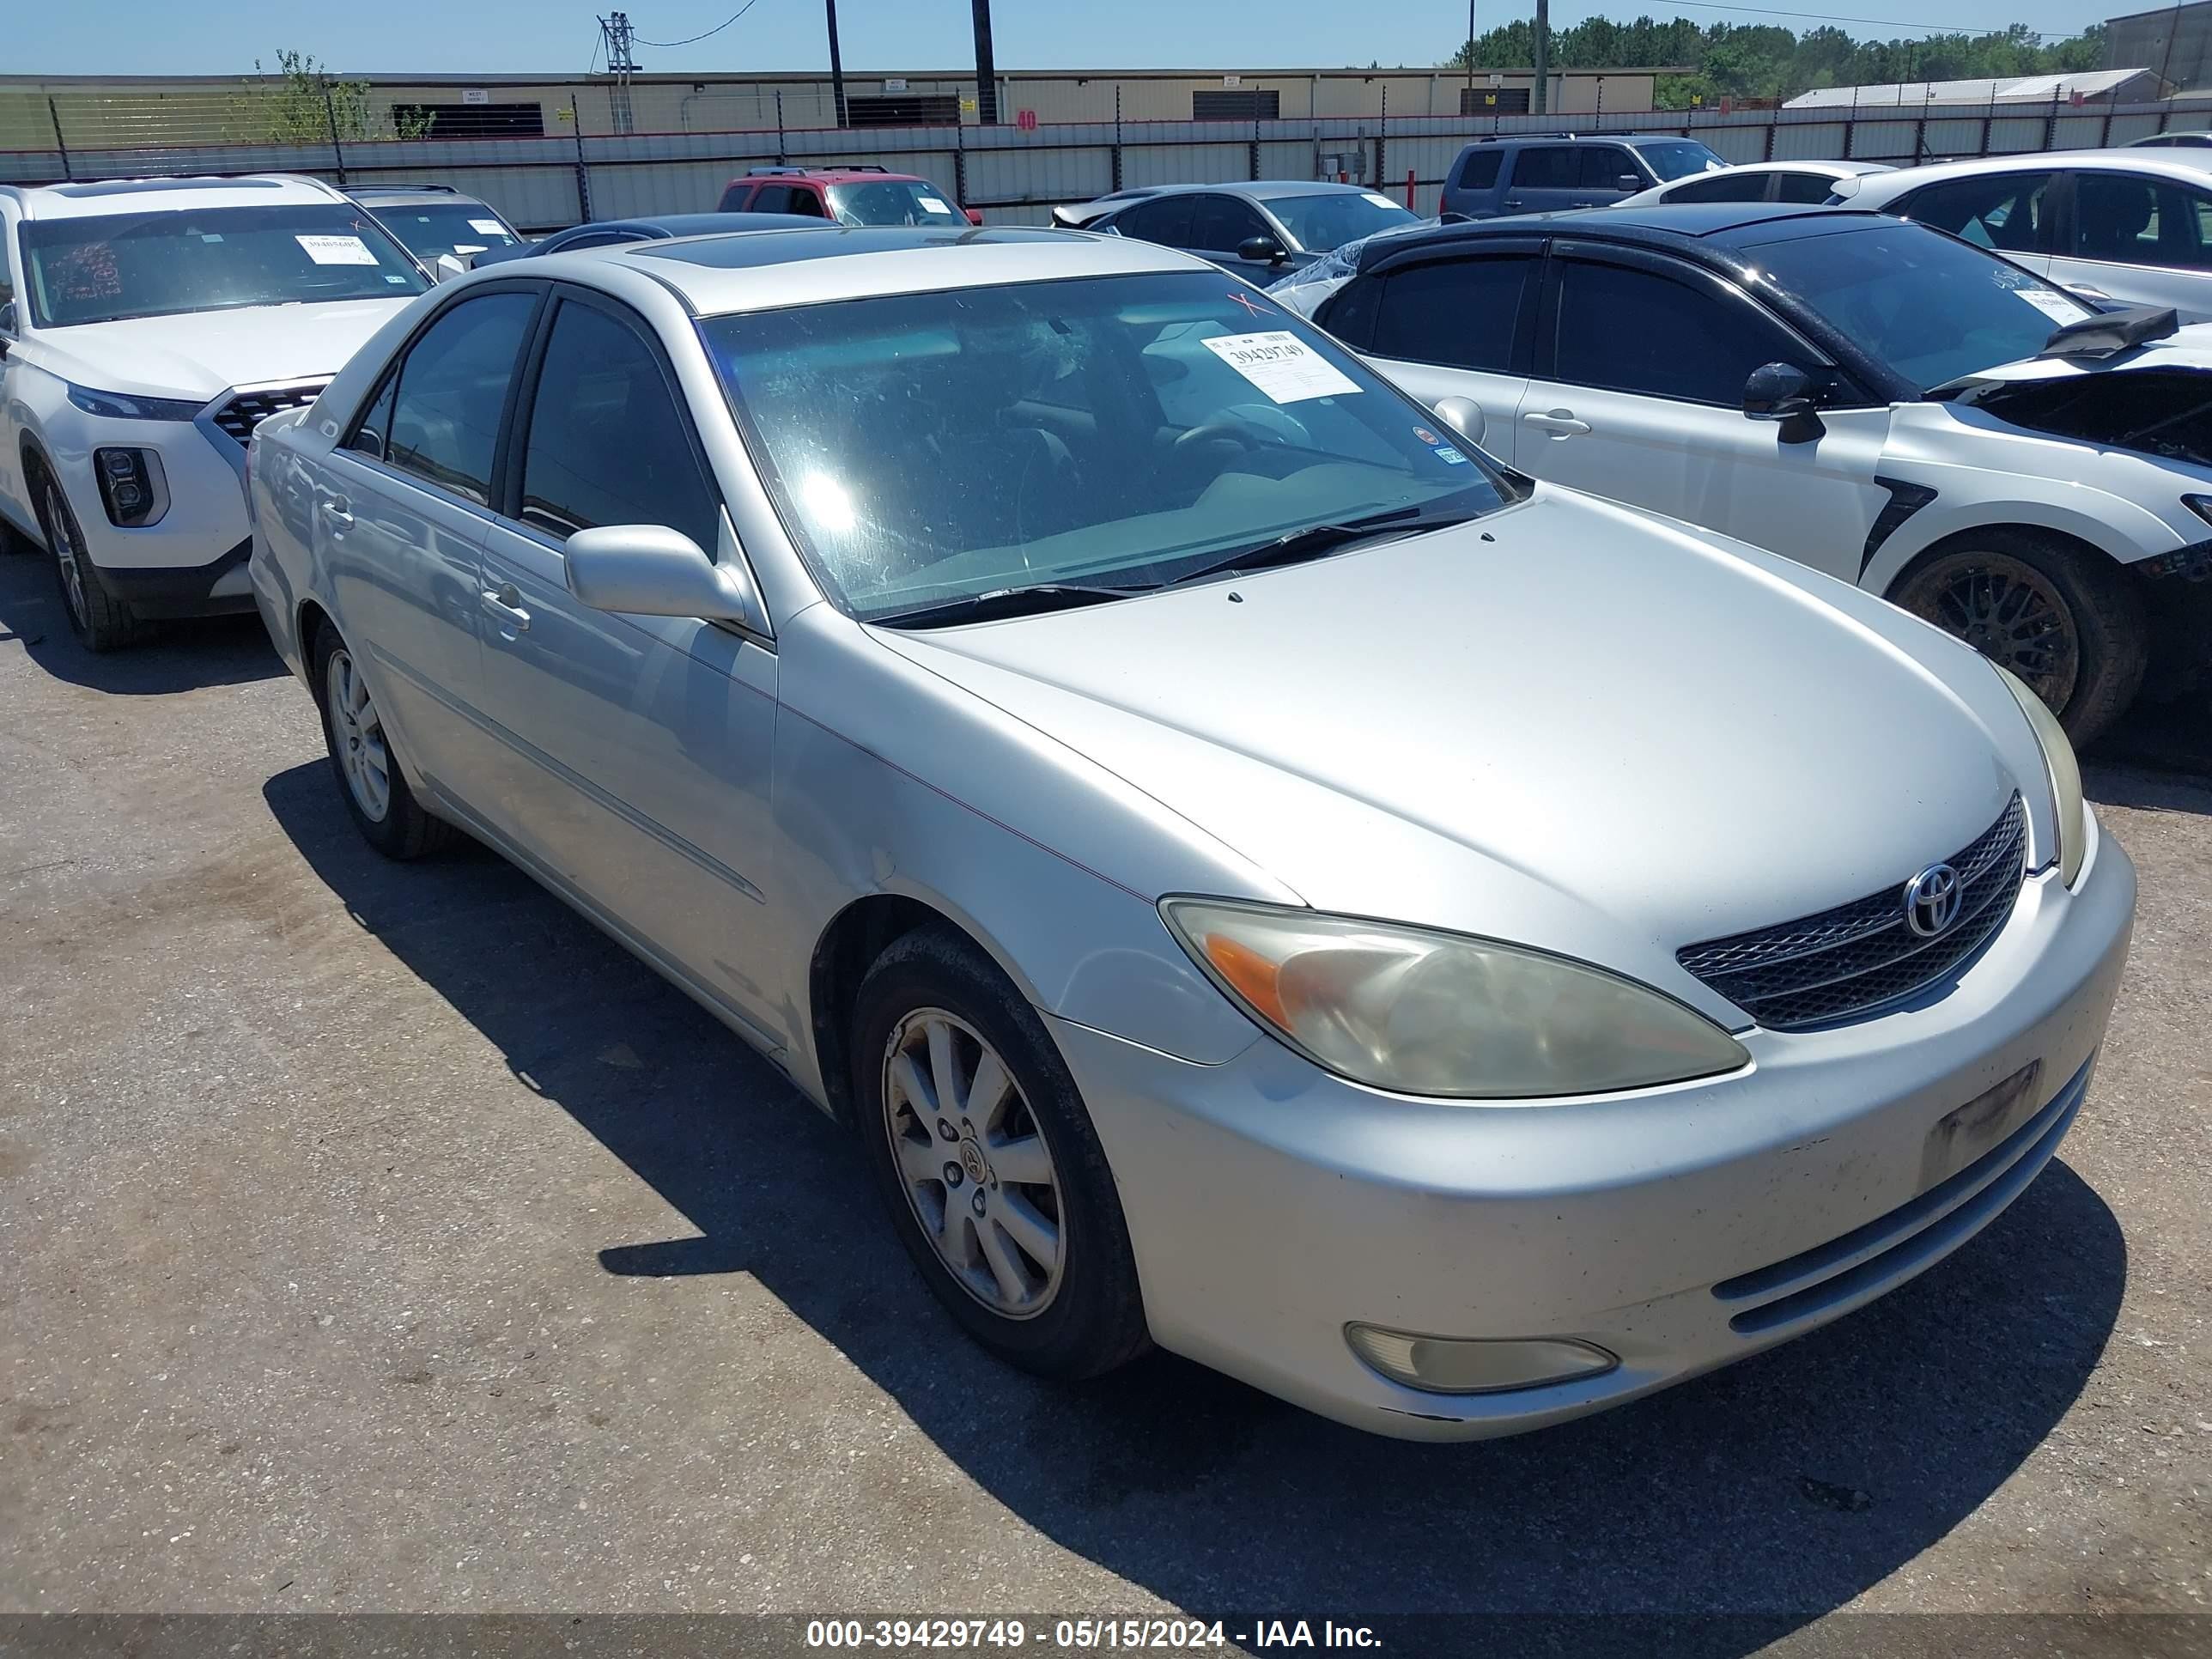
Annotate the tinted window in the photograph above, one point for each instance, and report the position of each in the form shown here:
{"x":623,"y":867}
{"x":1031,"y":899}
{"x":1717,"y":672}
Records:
{"x":809,"y":203}
{"x":1221,"y":221}
{"x":1725,"y":187}
{"x":444,"y":420}
{"x":1928,"y":307}
{"x":1166,"y":220}
{"x":1552,"y":167}
{"x":1115,"y":429}
{"x":1636,"y":331}
{"x":733,"y":199}
{"x":1810,"y":188}
{"x":772,"y":198}
{"x":1458,"y":312}
{"x":607,"y":445}
{"x":592,"y":239}
{"x":1604,"y":165}
{"x":1480,"y":171}
{"x":2141,"y":222}
{"x":2003,"y":210}
{"x":375,"y":427}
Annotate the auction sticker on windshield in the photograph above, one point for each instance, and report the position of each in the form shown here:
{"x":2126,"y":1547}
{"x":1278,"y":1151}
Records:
{"x":488,"y":227}
{"x":1280,"y":366}
{"x":2056,"y":307}
{"x":336,"y":250}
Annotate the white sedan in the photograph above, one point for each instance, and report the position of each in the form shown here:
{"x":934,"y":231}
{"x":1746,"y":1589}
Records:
{"x":1806,"y":182}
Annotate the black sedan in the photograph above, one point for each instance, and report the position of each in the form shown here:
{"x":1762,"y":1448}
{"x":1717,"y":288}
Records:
{"x":604,"y":232}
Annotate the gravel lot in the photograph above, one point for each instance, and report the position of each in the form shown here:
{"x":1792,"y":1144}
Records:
{"x":383,"y":1238}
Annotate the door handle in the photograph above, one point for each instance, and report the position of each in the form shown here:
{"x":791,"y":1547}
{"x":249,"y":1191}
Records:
{"x":1513,"y":201}
{"x":505,"y":605}
{"x":338,"y":510}
{"x":1559,"y":423}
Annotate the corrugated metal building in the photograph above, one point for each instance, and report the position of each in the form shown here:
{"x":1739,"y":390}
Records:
{"x":2175,"y":41}
{"x":100,"y":112}
{"x":2112,"y":86}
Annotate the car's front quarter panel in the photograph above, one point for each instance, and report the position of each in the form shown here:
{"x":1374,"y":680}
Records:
{"x":890,"y":779}
{"x":1987,"y":473}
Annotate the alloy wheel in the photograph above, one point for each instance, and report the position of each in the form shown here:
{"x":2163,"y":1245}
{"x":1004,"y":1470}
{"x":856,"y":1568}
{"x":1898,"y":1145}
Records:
{"x":973,"y":1163}
{"x":358,"y":736}
{"x":2012,"y":614}
{"x":68,"y":557}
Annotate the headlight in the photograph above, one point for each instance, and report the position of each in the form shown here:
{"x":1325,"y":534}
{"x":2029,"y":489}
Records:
{"x":2070,"y":810}
{"x":1427,"y":1013}
{"x":117,"y":407}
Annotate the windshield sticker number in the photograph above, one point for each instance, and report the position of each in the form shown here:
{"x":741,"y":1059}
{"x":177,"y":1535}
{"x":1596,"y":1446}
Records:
{"x":336,"y":250}
{"x":488,"y":227}
{"x":1378,"y":198}
{"x":2056,"y":307}
{"x":1449,"y":456}
{"x":1280,"y":366}
{"x":930,"y":205}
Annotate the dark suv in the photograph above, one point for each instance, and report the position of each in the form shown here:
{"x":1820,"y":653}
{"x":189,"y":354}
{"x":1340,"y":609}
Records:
{"x":1545,"y":172}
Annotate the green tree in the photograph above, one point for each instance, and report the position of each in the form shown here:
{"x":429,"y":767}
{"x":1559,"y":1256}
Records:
{"x":303,"y":103}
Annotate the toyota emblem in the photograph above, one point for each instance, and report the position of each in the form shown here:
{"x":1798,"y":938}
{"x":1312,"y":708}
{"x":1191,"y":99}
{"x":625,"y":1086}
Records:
{"x":1932,"y":899}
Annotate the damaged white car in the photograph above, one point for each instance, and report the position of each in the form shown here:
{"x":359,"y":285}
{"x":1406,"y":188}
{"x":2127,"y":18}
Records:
{"x":1874,"y":398}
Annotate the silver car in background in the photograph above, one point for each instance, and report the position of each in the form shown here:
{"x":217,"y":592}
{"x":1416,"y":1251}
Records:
{"x":1256,"y":876}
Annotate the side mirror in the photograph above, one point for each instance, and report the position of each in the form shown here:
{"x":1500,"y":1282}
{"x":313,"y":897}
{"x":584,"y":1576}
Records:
{"x":1261,"y":251}
{"x":1783,"y":392}
{"x":447,"y":266}
{"x":650,"y":570}
{"x":1629,"y":182}
{"x":1463,"y":415}
{"x":975,"y":214}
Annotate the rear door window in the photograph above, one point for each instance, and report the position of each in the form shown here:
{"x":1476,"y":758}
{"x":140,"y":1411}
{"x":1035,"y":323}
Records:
{"x":1724,"y":187}
{"x":1547,"y":166}
{"x":771,"y":198}
{"x":1810,"y":188}
{"x":1165,"y":220}
{"x":1480,"y":171}
{"x":2141,"y":222}
{"x":2003,"y":211}
{"x":451,"y":388}
{"x":1458,"y":313}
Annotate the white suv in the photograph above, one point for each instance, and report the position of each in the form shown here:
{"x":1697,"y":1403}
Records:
{"x":145,"y":326}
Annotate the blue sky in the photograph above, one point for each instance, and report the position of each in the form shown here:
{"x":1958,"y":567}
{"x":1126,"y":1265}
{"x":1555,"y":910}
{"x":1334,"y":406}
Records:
{"x":145,"y":37}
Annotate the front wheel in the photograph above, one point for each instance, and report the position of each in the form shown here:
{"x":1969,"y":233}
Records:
{"x":99,"y":620}
{"x":988,"y":1163}
{"x":2062,"y":617}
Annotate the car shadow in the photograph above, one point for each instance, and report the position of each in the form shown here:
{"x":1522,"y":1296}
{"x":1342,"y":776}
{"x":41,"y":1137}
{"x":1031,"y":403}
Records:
{"x":2148,"y":788}
{"x":1771,"y":1492}
{"x":182,"y":656}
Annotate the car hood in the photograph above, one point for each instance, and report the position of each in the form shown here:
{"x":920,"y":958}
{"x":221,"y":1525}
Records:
{"x":2189,"y":347}
{"x":1566,"y":700}
{"x":2155,"y":401}
{"x":198,"y":354}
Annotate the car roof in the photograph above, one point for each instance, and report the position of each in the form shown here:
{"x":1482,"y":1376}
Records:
{"x":1676,"y":226}
{"x":766,"y":270}
{"x":1262,"y":190}
{"x":828,"y":175}
{"x":1502,"y":139}
{"x":412,"y":196}
{"x":94,"y":197}
{"x":2174,"y":161}
{"x":702,"y":224}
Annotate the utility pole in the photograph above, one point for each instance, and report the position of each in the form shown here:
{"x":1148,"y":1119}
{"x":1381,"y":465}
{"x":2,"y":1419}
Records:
{"x":836,"y":64}
{"x":616,"y":31}
{"x":1539,"y":101}
{"x":1469,"y":110}
{"x":986,"y":67}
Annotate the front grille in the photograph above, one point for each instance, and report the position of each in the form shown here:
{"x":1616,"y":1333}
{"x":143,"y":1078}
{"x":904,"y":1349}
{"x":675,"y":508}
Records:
{"x":242,"y":412}
{"x":1844,"y":963}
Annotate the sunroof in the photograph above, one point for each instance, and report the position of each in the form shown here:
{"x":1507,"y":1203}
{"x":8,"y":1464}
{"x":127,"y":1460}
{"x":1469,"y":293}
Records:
{"x":743,"y":250}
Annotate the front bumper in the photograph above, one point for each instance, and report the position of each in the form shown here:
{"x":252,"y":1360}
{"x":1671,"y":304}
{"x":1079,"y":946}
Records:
{"x":1270,"y":1204}
{"x":192,"y":562}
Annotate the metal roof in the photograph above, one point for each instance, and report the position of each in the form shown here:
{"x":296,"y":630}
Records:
{"x":2012,"y":89}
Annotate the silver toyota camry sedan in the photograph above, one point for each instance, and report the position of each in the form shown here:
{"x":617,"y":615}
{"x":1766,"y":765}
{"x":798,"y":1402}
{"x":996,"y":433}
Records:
{"x":1257,"y":876}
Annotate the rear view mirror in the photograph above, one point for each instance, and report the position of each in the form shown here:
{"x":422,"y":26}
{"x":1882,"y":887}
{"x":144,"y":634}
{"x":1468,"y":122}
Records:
{"x":1783,"y":392}
{"x":448,"y":266}
{"x":1261,"y":251}
{"x":1463,"y":415}
{"x":650,"y":570}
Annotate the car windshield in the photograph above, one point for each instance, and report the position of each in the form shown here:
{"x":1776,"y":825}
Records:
{"x":1111,"y":431}
{"x":1678,"y":158}
{"x":1930,"y":307}
{"x":891,"y":202}
{"x":110,"y":266}
{"x":1332,"y":218}
{"x":437,"y":227}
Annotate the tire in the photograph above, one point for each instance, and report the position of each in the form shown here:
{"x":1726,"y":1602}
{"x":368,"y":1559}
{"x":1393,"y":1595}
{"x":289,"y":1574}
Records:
{"x":1085,"y":1314}
{"x":2078,"y":637}
{"x":369,"y":779}
{"x":100,"y":622}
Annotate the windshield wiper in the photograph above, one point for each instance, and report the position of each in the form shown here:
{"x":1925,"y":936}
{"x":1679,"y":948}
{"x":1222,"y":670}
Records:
{"x":1318,"y":538}
{"x":1009,"y":602}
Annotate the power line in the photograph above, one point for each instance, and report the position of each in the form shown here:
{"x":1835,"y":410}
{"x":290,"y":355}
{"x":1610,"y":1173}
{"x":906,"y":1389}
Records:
{"x":717,"y":29}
